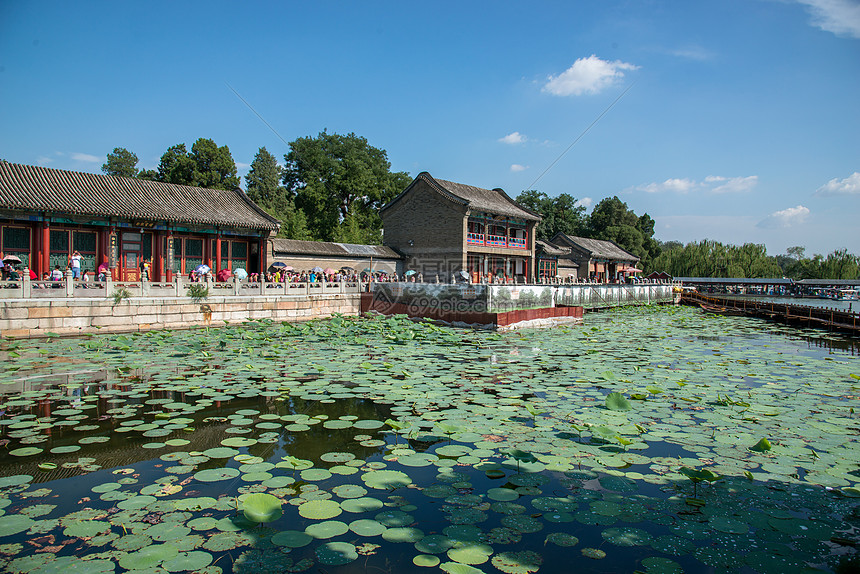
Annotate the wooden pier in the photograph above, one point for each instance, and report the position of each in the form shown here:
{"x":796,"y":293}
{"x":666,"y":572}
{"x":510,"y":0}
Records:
{"x":797,"y":315}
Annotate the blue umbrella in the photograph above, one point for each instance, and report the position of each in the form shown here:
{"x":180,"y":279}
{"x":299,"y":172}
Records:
{"x":203,"y":269}
{"x":240,"y":274}
{"x":277,"y":265}
{"x":410,"y":272}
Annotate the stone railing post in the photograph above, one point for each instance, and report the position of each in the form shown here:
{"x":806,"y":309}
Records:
{"x":144,"y":286}
{"x":237,"y":285}
{"x":70,"y":283}
{"x":262,"y":285}
{"x":108,"y":284}
{"x":177,"y":286}
{"x":26,"y":286}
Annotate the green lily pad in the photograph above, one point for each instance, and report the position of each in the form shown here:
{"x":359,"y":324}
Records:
{"x":261,"y":507}
{"x":471,"y":554}
{"x":336,"y":553}
{"x":327,"y":529}
{"x":216,"y":474}
{"x":518,"y":562}
{"x":292,"y":539}
{"x":320,"y":509}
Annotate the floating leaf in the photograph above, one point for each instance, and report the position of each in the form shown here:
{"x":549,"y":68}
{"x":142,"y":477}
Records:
{"x":617,"y":402}
{"x":262,"y":507}
{"x":763,"y":445}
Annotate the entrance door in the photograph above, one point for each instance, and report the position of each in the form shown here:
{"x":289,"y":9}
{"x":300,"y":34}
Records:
{"x":131,"y":256}
{"x":135,"y":248}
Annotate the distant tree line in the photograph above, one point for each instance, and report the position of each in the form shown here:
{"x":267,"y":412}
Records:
{"x":610,"y":220}
{"x":708,"y":258}
{"x":331,"y":186}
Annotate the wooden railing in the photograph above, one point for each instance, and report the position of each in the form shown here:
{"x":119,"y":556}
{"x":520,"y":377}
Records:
{"x":71,"y":288}
{"x":496,"y":241}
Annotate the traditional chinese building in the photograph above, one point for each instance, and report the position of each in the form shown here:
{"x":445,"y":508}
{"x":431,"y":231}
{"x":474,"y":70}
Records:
{"x":598,"y":260}
{"x":304,"y":255}
{"x":443,"y":228}
{"x":48,"y":214}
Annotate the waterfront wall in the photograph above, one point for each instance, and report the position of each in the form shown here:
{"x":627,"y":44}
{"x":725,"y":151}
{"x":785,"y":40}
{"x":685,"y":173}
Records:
{"x":75,"y":316}
{"x":427,"y":298}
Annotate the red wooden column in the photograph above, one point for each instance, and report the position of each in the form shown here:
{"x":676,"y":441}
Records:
{"x":217,"y":254}
{"x":157,"y":269}
{"x":207,"y":251}
{"x":46,"y":249}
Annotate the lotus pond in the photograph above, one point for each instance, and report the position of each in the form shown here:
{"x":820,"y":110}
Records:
{"x":650,"y":439}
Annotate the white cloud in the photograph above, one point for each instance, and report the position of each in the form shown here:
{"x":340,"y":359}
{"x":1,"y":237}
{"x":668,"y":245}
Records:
{"x":848,"y":186}
{"x":587,"y":76}
{"x":673,"y":184}
{"x":711,"y":184}
{"x":43,"y":160}
{"x":517,"y":167}
{"x":732,"y":184}
{"x":841,"y":17}
{"x":785,"y":217}
{"x":84,"y":157}
{"x":585,"y":202}
{"x":513,"y":138}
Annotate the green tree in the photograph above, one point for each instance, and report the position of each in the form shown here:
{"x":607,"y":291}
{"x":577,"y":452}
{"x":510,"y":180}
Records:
{"x":264,"y":187}
{"x":263,"y":181}
{"x":213,"y":166}
{"x":841,"y":264}
{"x":339,"y":180}
{"x":176,"y":166}
{"x":612,"y":220}
{"x":560,"y":214}
{"x":121,"y":163}
{"x":206,"y":165}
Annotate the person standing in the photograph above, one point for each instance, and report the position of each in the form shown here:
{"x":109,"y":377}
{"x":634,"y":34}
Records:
{"x":75,"y":263}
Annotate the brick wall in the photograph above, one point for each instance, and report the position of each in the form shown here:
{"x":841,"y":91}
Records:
{"x":35,"y":318}
{"x":436,"y":228}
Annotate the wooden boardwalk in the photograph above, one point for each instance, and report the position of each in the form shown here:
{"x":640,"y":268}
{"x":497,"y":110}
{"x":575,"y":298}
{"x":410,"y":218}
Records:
{"x":798,"y":315}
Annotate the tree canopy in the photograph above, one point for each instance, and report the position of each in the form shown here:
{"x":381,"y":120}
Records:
{"x":561,"y":214}
{"x":263,"y":184}
{"x":612,"y":220}
{"x":840,"y":264}
{"x":121,"y":163}
{"x":206,"y":165}
{"x":708,"y":258}
{"x":340,"y":182}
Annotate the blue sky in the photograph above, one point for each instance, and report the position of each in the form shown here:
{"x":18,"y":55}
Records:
{"x":739,"y":123}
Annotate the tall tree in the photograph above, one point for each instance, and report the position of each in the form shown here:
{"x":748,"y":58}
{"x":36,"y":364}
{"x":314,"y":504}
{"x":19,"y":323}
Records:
{"x":176,"y":166}
{"x":213,"y":166}
{"x":264,"y":187}
{"x":263,"y":181}
{"x":561,"y":214}
{"x":206,"y":165}
{"x":121,"y":163}
{"x":340,"y":180}
{"x":612,"y":220}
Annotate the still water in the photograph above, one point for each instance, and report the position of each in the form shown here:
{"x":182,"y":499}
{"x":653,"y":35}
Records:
{"x":851,"y":306}
{"x":656,"y":439}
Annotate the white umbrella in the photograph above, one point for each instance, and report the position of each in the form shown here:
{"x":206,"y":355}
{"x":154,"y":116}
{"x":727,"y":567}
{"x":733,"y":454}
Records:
{"x":240,"y":274}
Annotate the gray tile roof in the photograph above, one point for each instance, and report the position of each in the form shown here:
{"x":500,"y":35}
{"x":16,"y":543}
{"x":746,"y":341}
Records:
{"x":31,"y":188}
{"x":551,"y":249}
{"x":597,"y":248}
{"x":476,"y":198}
{"x":284,"y":247}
